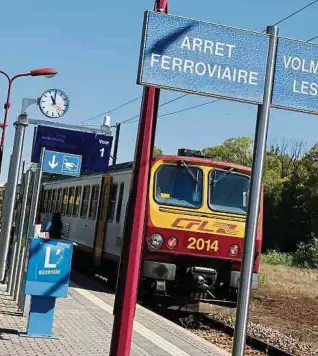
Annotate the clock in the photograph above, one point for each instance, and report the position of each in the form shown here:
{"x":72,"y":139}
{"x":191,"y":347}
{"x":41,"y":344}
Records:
{"x":54,"y":103}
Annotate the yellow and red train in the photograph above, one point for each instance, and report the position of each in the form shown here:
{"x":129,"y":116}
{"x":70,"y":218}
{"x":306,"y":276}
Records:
{"x":195,"y":224}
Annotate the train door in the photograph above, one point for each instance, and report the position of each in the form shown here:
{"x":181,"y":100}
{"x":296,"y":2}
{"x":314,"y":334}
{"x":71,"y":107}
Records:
{"x":102,"y":221}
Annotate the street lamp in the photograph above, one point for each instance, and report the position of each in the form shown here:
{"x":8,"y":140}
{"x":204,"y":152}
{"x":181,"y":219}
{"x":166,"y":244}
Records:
{"x":47,"y":72}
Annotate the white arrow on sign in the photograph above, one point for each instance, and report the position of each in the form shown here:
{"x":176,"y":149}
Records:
{"x":53,"y":164}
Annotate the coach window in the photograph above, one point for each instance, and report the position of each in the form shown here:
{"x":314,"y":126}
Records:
{"x":85,"y":201}
{"x":54,"y":200}
{"x":112,"y":202}
{"x":65,"y":201}
{"x":94,"y":202}
{"x":228,"y":191}
{"x":71,"y":201}
{"x":49,"y":201}
{"x":45,"y":202}
{"x":77,"y":200}
{"x":59,"y":200}
{"x":120,"y":202}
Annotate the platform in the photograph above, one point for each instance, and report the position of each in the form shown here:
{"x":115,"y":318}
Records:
{"x":83,"y":325}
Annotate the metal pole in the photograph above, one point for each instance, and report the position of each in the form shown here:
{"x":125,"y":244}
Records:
{"x":24,"y":303}
{"x":11,"y":190}
{"x":14,"y":256}
{"x":254,"y":199}
{"x":16,"y":267}
{"x":17,"y":291}
{"x":36,"y":194}
{"x":127,"y":288}
{"x":130,"y":262}
{"x":116,"y":143}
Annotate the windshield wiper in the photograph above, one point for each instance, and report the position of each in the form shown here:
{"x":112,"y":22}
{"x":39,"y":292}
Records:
{"x":223,"y":176}
{"x":190,"y":172}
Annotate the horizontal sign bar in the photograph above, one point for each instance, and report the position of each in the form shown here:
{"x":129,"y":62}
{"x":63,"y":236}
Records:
{"x":296,"y":77}
{"x":203,"y":58}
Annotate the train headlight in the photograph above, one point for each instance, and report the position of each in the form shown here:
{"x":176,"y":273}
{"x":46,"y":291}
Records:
{"x":172,"y":242}
{"x":156,"y":241}
{"x":234,"y":250}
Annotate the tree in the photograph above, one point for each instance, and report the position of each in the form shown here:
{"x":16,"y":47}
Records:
{"x":236,"y":150}
{"x":157,"y":151}
{"x":290,"y":186}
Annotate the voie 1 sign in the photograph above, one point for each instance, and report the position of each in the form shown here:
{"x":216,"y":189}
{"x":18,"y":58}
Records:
{"x":296,"y":76}
{"x":203,"y":58}
{"x":94,"y":148}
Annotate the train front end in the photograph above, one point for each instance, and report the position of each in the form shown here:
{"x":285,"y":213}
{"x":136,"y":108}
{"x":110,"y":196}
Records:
{"x":195,"y":231}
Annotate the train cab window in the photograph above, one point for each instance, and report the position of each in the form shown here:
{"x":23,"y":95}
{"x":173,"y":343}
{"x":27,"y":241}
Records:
{"x":228,"y":191}
{"x":85,"y":201}
{"x":112,"y":202}
{"x":59,"y":200}
{"x":70,"y":201}
{"x":94,"y":202}
{"x":65,"y":201}
{"x":120,"y":202}
{"x":179,"y":185}
{"x":77,"y":200}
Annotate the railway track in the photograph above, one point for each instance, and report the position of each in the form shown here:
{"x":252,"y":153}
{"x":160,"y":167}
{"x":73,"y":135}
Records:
{"x":204,"y":325}
{"x":220,"y":333}
{"x":253,"y":342}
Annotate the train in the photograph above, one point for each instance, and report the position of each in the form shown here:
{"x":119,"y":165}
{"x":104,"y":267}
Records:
{"x":195,"y":222}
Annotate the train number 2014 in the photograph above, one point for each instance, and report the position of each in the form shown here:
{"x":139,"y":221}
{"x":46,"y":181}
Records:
{"x":201,"y":244}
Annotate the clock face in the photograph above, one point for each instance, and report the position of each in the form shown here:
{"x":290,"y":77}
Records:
{"x":54,"y":103}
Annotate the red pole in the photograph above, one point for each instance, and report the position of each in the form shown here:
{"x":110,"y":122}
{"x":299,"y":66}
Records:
{"x":128,"y":281}
{"x":6,"y":110}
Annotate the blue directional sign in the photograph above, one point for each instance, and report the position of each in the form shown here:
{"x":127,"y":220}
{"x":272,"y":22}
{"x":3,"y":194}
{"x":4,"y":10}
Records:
{"x":203,"y":58}
{"x":296,"y":77}
{"x":49,"y":267}
{"x":62,"y":163}
{"x":94,"y":148}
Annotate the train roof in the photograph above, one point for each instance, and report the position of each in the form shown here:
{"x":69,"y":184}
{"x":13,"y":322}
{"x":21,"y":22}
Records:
{"x":205,"y":162}
{"x":114,"y":168}
{"x":129,"y":165}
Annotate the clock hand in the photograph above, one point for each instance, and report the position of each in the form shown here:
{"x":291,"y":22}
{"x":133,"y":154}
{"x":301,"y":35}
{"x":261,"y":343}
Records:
{"x":53,"y":101}
{"x":55,"y":97}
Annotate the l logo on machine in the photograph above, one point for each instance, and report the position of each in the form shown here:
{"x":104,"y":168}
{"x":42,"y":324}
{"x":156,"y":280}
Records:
{"x":47,"y":263}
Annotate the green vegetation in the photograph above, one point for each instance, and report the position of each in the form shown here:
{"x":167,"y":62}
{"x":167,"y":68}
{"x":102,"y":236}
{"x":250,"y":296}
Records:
{"x":290,"y":197}
{"x":157,"y":151}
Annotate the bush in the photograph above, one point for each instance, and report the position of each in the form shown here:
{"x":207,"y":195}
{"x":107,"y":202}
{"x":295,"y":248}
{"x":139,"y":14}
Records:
{"x":306,"y":255}
{"x":278,"y":258}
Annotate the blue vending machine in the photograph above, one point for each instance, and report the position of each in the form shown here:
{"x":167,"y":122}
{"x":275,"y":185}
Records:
{"x":47,"y":278}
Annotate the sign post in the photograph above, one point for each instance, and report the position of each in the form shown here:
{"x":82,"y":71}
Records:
{"x":128,"y":280}
{"x":254,"y":200}
{"x":47,"y":278}
{"x":209,"y":59}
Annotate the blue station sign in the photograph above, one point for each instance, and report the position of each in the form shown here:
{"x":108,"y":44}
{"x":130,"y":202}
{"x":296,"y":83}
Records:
{"x":49,"y":267}
{"x":94,"y":148}
{"x":62,"y":163}
{"x":296,"y":77}
{"x":203,"y":58}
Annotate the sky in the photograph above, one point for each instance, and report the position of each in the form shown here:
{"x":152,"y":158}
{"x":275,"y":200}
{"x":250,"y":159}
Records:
{"x":95,"y":47}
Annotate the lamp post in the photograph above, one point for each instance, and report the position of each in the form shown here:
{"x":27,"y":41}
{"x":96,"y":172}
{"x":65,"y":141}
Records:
{"x":48,"y":72}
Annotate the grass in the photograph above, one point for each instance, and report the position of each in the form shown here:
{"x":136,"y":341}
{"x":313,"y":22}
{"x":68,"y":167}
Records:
{"x":291,"y":281}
